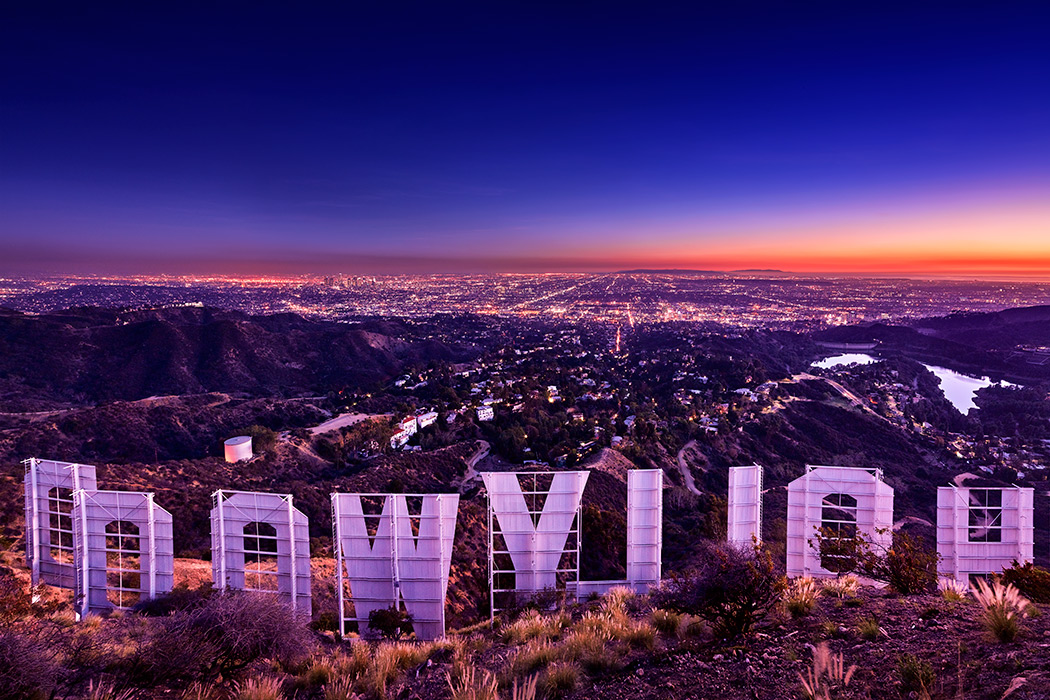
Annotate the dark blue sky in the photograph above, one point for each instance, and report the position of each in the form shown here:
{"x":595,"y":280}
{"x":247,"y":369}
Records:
{"x":403,"y":136}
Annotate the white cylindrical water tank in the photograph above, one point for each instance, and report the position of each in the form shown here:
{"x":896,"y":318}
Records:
{"x":238,"y":448}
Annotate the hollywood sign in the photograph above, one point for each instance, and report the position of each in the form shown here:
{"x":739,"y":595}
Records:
{"x":980,"y":531}
{"x":115,"y":548}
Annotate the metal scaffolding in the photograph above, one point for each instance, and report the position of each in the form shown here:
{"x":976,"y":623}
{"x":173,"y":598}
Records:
{"x":983,"y":530}
{"x":744,"y":521}
{"x":534,"y":521}
{"x":261,"y":542}
{"x":124,"y":549}
{"x":50,"y":536}
{"x":847,"y":500}
{"x":387,"y":555}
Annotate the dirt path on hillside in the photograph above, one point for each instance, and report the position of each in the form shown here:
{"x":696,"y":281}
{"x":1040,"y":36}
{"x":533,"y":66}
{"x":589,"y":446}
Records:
{"x":683,"y":467}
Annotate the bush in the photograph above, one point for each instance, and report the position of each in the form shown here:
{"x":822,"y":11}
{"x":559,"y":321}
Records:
{"x":909,"y":566}
{"x":1031,"y":580}
{"x":222,"y":637}
{"x":390,"y":622}
{"x":17,"y":601}
{"x":733,"y":589}
{"x":28,"y":668}
{"x":182,"y":597}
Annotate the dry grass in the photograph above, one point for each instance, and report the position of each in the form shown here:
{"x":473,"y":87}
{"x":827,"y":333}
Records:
{"x":869,"y":629}
{"x":666,"y":622}
{"x":525,"y":690}
{"x":616,"y":600}
{"x":353,"y":661}
{"x":801,"y":596}
{"x":533,"y":625}
{"x":106,"y":691}
{"x":340,"y":689}
{"x":826,"y":674}
{"x":532,"y":657}
{"x":560,"y":679}
{"x":950,"y":589}
{"x":473,"y":686}
{"x":258,"y":689}
{"x":841,"y":586}
{"x":1002,"y":608}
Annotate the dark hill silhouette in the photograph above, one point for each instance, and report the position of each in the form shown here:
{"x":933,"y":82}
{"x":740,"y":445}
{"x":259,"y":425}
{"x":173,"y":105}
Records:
{"x":89,"y":355}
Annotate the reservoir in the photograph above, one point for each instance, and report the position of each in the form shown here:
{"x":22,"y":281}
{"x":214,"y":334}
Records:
{"x":959,"y":389}
{"x":853,"y":358}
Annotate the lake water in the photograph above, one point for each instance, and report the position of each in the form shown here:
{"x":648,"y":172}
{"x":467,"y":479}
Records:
{"x":853,"y":358}
{"x":959,"y":389}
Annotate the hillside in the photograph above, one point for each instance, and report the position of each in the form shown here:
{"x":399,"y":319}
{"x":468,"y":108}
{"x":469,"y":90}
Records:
{"x":91,"y":355}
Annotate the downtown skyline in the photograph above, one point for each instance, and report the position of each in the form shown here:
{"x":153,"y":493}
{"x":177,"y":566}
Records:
{"x":904,"y":140}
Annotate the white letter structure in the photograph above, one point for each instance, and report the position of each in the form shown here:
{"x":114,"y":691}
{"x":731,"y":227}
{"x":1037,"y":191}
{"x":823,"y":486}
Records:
{"x":983,"y":530}
{"x":848,"y":500}
{"x":645,"y":513}
{"x":745,"y":506}
{"x":124,"y":549}
{"x":49,"y":488}
{"x":645,"y":527}
{"x":406,"y":559}
{"x":535,"y":526}
{"x":261,"y":542}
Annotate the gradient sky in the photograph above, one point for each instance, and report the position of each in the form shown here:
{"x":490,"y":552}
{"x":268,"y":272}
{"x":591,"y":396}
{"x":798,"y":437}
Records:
{"x":431,"y":136}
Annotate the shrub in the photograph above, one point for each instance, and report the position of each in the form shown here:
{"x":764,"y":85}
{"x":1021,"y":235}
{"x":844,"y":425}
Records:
{"x":222,"y":637}
{"x":733,"y":589}
{"x":1031,"y":580}
{"x":801,"y":596}
{"x":182,"y":597}
{"x":828,"y":672}
{"x":841,"y":586}
{"x":28,"y":668}
{"x":390,"y":622}
{"x":917,"y":676}
{"x":18,"y":602}
{"x":909,"y":566}
{"x":1001,"y":609}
